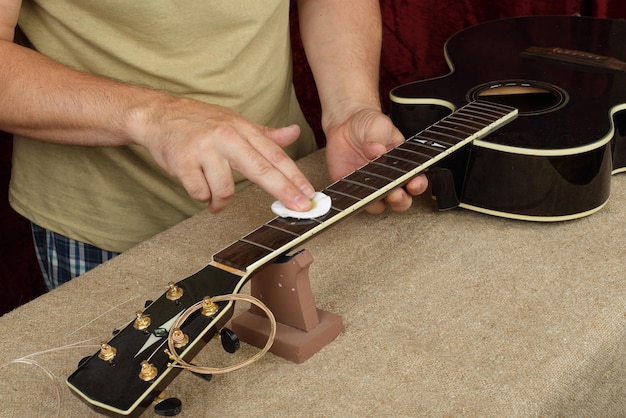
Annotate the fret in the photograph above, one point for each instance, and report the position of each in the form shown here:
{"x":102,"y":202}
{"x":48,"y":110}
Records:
{"x":433,"y":139}
{"x":269,"y":237}
{"x":341,"y":201}
{"x":256,"y":243}
{"x":453,"y":134}
{"x":498,"y":111}
{"x":474,"y":115}
{"x":481,"y":115}
{"x":382,"y":170}
{"x":394,"y":163}
{"x":331,"y":213}
{"x":420,"y":149}
{"x":270,"y":225}
{"x":467,"y":122}
{"x":408,"y":156}
{"x":294,"y":226}
{"x":479,"y":109}
{"x":241,"y":254}
{"x":356,"y":183}
{"x":491,"y":112}
{"x":366,"y":179}
{"x":462,"y":129}
{"x":350,"y":189}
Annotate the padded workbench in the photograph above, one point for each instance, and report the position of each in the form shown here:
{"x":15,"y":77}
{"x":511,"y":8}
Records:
{"x":450,"y":313}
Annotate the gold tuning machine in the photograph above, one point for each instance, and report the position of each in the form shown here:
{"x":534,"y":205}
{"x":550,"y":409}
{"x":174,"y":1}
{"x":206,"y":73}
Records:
{"x":147,"y":372}
{"x":179,"y":338}
{"x":142,"y":321}
{"x":173,"y":292}
{"x":209,"y":308}
{"x":107,"y":352}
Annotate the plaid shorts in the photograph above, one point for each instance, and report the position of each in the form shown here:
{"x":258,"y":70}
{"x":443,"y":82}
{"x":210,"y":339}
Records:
{"x":62,"y":258}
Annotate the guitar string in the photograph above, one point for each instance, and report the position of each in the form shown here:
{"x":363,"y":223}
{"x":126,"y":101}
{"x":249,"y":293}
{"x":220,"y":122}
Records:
{"x":179,"y":362}
{"x":29,"y":360}
{"x":156,"y":350}
{"x":87,"y":343}
{"x":103,"y":314}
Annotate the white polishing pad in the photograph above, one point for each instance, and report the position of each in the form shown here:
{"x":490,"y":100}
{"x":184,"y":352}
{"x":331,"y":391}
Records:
{"x":321,"y":205}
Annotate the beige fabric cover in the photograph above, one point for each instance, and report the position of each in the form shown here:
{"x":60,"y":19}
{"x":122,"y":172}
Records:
{"x":445,"y":314}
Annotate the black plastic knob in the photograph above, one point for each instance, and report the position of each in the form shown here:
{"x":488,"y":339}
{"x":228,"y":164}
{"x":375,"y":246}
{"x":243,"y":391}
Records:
{"x":168,"y":407}
{"x":229,"y":340}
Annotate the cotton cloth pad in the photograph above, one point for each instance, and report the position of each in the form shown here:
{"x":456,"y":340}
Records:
{"x":320,"y":206}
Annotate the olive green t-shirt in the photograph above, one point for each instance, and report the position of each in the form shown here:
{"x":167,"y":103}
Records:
{"x":234,"y":53}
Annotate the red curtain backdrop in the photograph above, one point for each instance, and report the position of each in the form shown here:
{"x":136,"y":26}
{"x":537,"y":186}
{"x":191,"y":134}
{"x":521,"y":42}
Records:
{"x":19,"y":274}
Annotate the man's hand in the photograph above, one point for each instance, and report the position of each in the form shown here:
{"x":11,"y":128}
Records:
{"x":196,"y":142}
{"x":365,"y":135}
{"x":200,"y":144}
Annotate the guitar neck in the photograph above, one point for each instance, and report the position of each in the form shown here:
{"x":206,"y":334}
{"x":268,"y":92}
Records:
{"x":368,"y":184}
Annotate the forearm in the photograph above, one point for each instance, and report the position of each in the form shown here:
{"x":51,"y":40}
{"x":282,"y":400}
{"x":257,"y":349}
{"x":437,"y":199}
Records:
{"x":43,"y":99}
{"x":342,"y":40}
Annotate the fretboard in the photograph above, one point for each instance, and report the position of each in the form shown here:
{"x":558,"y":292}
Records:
{"x":369,"y":183}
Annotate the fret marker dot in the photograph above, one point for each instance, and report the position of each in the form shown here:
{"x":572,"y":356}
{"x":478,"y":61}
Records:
{"x":321,"y":205}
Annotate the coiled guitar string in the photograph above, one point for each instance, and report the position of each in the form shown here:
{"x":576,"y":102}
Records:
{"x":179,"y":362}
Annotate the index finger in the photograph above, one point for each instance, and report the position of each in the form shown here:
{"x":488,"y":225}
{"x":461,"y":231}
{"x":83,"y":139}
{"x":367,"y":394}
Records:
{"x":266,"y":164}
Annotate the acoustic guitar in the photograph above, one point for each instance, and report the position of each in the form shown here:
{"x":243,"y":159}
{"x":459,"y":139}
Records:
{"x":131,"y":369}
{"x":567,"y":78}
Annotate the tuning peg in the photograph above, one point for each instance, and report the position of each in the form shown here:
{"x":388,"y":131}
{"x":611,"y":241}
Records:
{"x":229,"y":340}
{"x":147,"y":372}
{"x":141,"y":321}
{"x":173,"y":292}
{"x":168,"y":407}
{"x":204,"y":376}
{"x":179,"y":338}
{"x":107,"y":352}
{"x":209,"y":308}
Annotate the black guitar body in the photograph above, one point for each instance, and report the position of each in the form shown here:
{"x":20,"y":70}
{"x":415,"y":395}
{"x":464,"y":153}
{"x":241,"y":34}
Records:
{"x":566,"y":76}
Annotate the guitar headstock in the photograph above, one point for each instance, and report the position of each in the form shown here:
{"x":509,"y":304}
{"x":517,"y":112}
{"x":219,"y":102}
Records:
{"x":131,"y":369}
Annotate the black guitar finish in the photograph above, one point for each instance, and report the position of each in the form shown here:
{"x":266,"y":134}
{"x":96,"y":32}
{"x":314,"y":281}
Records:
{"x":567,"y":77}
